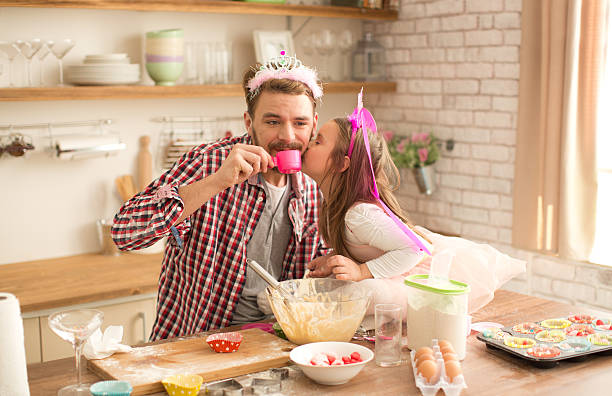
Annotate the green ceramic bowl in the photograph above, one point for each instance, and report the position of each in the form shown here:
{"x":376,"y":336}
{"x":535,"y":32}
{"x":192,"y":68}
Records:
{"x":166,"y":33}
{"x":164,"y":73}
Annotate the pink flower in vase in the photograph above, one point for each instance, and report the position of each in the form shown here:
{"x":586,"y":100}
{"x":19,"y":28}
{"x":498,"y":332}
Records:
{"x":387,"y":135}
{"x":401,"y":147}
{"x":423,"y":153}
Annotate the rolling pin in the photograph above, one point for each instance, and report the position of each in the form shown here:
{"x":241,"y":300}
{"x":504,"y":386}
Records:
{"x":145,"y":163}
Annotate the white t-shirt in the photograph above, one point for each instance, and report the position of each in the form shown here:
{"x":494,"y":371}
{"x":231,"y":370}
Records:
{"x":376,"y":240}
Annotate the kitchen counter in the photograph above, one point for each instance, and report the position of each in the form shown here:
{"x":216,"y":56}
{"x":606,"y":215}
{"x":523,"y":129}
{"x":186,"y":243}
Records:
{"x":60,"y":282}
{"x":486,"y":372}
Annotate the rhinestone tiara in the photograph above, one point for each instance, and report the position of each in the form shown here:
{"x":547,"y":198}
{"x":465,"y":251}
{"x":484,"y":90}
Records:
{"x":285,"y":67}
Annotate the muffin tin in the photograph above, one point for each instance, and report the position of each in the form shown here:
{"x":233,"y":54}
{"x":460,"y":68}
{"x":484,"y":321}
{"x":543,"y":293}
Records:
{"x":549,"y":341}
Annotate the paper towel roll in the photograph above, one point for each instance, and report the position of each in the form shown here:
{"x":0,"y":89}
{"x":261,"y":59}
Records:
{"x":69,"y":143}
{"x":80,"y":147}
{"x":13,"y":371}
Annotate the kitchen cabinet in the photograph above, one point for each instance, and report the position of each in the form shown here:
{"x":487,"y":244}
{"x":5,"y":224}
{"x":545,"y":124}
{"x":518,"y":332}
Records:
{"x":125,"y":290}
{"x":136,"y":317}
{"x":31,"y":335}
{"x":191,"y":91}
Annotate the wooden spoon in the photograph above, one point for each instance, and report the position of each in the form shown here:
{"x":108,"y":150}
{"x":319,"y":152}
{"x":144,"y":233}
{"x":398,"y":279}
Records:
{"x":125,"y":187}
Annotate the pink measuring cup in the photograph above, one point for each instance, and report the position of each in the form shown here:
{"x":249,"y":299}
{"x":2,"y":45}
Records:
{"x":289,"y":161}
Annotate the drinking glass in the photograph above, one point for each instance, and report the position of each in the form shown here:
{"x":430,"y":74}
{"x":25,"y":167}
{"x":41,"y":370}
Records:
{"x":11,"y":52}
{"x":324,"y":44}
{"x":60,"y":49}
{"x":308,"y":44}
{"x":41,"y":55}
{"x":224,"y":62}
{"x":28,"y":49}
{"x":190,"y":72}
{"x":204,"y":63}
{"x":388,"y":344}
{"x":75,"y":326}
{"x":345,"y":44}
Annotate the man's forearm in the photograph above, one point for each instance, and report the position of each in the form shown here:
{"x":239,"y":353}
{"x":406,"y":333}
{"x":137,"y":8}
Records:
{"x":196,"y":194}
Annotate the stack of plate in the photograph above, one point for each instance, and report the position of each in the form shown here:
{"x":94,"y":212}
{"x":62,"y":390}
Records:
{"x":108,"y":69}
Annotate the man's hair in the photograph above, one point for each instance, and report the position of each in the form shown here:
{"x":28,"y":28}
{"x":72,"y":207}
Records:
{"x":284,"y":85}
{"x":355,"y":184}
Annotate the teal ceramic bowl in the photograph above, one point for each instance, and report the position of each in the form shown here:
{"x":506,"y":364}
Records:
{"x":164,"y":73}
{"x":166,"y":33}
{"x":111,"y":388}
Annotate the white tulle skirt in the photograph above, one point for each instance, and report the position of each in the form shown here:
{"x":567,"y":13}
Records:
{"x":482,"y":267}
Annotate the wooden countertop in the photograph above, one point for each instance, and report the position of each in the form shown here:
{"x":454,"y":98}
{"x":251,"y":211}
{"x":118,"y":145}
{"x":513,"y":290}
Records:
{"x":485,"y":372}
{"x":64,"y":281}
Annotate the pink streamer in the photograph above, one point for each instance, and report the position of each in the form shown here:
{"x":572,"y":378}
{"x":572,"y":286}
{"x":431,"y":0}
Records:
{"x":362,"y":118}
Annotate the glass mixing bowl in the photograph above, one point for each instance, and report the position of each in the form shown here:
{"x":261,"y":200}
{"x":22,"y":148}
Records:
{"x":321,"y":309}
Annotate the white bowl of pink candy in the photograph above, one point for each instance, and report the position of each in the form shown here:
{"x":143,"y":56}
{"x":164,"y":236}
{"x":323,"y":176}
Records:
{"x":331,"y":363}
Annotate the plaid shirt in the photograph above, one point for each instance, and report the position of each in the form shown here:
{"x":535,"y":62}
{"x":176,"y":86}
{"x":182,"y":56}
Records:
{"x":204,"y":266}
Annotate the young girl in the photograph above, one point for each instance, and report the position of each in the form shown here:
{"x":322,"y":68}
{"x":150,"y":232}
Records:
{"x":361,"y":220}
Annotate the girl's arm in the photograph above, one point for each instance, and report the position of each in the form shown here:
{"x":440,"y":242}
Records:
{"x":368,"y":224}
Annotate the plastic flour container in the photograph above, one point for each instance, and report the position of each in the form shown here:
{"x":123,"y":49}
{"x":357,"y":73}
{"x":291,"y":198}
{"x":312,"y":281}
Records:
{"x":436,"y":309}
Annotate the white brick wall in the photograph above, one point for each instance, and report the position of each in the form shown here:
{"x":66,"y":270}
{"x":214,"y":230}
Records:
{"x":456,"y":63}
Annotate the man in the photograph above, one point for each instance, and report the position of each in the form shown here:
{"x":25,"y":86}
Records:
{"x":224,"y":202}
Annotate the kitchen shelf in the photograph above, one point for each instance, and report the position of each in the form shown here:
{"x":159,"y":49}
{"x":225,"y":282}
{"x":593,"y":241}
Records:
{"x":214,"y":6}
{"x":158,"y":92}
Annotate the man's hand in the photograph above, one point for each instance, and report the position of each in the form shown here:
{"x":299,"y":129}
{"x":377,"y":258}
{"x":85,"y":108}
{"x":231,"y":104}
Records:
{"x":318,"y":267}
{"x":242,"y":162}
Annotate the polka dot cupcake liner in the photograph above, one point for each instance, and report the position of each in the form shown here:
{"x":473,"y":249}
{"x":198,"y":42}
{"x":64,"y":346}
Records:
{"x":224,"y":342}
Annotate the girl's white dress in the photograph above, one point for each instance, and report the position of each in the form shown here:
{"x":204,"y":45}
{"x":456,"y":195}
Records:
{"x":373,"y":238}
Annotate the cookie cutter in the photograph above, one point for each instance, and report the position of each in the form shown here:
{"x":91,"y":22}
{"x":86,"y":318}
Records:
{"x":264,"y":386}
{"x":281,"y":373}
{"x":229,"y":387}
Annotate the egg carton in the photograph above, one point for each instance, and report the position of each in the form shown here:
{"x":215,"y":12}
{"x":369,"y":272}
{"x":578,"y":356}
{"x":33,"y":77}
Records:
{"x":440,"y":380}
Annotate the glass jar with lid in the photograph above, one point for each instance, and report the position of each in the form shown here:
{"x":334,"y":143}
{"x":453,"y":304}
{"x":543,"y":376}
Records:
{"x":368,"y":60}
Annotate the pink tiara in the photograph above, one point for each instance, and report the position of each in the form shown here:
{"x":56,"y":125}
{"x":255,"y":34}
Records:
{"x":285,"y":67}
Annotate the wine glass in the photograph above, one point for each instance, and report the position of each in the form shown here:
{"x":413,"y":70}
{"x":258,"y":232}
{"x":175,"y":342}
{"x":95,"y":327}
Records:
{"x":11,"y":52}
{"x":28,"y":49}
{"x":41,"y":56}
{"x":60,"y":49}
{"x":324,"y":44}
{"x":75,"y":326}
{"x":345,"y":44}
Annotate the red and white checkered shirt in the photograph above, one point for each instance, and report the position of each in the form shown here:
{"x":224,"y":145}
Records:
{"x":204,"y":266}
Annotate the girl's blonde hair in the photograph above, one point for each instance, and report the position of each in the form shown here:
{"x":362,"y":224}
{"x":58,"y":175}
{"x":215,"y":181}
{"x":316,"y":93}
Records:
{"x":355,"y":184}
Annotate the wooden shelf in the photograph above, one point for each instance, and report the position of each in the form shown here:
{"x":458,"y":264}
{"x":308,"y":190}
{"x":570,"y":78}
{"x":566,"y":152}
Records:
{"x":154,"y":92}
{"x":213,"y":6}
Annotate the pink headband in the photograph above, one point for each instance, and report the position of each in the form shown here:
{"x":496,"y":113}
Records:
{"x":362,"y":119}
{"x":285,"y":67}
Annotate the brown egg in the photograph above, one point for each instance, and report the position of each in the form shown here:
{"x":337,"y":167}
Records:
{"x":428,"y":369}
{"x":447,"y":349}
{"x":423,"y":350}
{"x":450,"y":356}
{"x":453,"y":369}
{"x":444,"y":344}
{"x":422,"y":358}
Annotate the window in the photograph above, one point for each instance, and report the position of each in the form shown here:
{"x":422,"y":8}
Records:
{"x":602,"y":251}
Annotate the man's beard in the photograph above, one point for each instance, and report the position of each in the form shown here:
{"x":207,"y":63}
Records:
{"x":278,"y":146}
